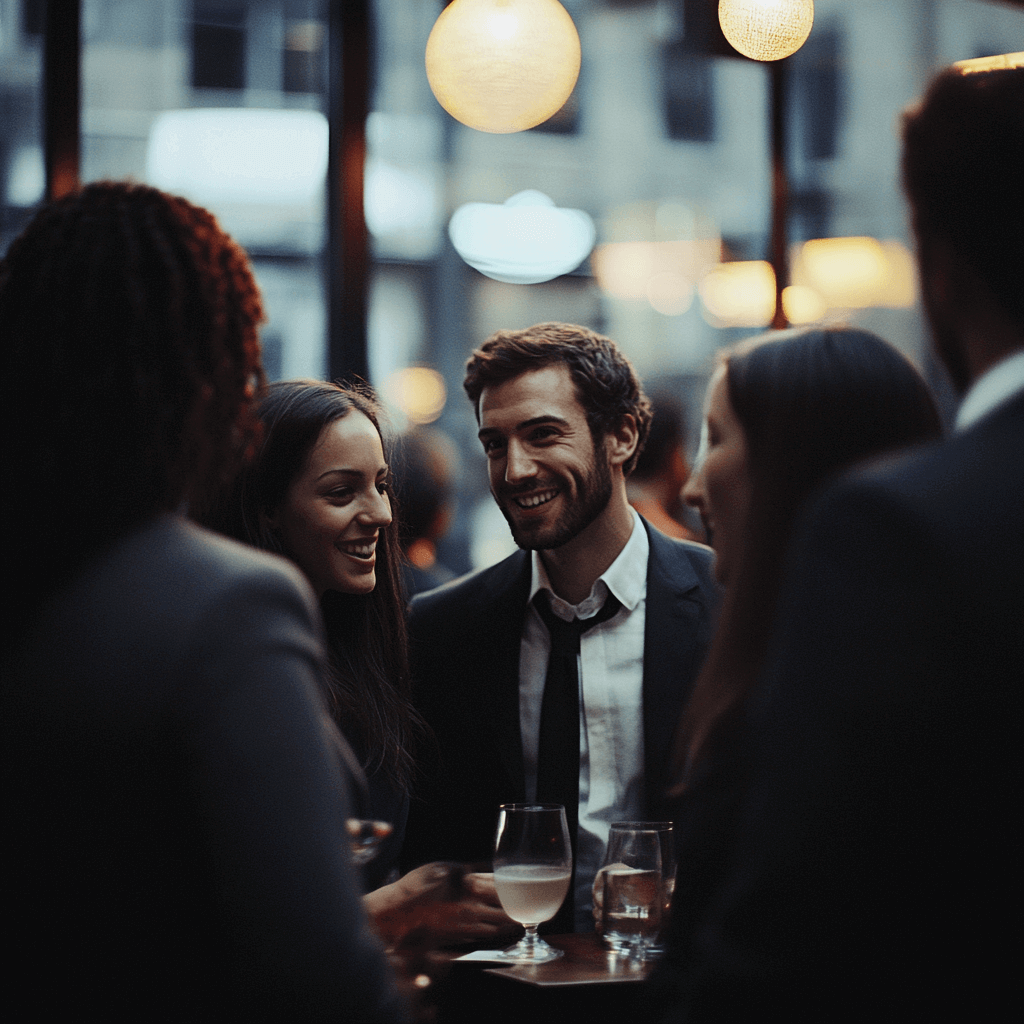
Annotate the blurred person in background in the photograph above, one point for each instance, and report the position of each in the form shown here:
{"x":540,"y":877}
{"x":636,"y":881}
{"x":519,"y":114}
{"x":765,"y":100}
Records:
{"x":655,"y":486}
{"x":424,"y":470}
{"x":319,"y":491}
{"x":176,"y":793}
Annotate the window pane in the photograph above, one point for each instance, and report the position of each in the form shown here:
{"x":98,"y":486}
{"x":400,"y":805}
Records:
{"x":22,"y":176}
{"x":192,"y":97}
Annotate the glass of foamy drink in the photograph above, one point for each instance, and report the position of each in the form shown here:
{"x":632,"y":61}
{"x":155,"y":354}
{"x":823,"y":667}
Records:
{"x":532,"y":870}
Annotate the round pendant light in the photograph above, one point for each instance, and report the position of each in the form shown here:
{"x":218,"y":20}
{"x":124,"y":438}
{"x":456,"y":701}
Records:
{"x":503,"y":65}
{"x":766,"y":29}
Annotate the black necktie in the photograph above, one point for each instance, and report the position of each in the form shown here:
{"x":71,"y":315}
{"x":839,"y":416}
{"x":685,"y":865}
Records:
{"x":558,"y":751}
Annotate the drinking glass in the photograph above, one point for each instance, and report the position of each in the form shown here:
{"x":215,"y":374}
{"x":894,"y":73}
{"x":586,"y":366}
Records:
{"x":532,"y":869}
{"x":633,"y":901}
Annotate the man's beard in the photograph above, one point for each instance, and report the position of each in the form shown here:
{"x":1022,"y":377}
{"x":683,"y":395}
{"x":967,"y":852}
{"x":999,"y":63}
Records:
{"x":593,"y":493}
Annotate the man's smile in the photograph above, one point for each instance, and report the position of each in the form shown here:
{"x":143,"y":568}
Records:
{"x":536,"y":499}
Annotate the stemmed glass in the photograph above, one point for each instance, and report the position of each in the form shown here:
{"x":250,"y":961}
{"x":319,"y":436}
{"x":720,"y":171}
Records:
{"x":532,"y":869}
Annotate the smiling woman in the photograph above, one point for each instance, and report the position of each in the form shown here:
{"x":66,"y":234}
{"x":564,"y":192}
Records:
{"x":318,"y":492}
{"x":330,"y":520}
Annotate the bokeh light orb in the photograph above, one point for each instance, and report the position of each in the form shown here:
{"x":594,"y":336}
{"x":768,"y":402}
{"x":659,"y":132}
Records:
{"x":418,"y":391}
{"x":503,"y":65}
{"x":766,"y":29}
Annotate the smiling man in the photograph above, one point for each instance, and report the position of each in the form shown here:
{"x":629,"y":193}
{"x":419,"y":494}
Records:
{"x":562,"y":421}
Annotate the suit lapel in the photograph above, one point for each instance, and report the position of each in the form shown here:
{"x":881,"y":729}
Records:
{"x":676,"y":631}
{"x":498,"y":660}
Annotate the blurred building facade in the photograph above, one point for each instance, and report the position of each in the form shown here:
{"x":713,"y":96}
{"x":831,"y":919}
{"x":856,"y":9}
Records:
{"x":664,"y":143}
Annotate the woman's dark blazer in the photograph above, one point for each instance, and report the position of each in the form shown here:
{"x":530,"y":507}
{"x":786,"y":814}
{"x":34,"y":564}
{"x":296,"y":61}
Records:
{"x":175,"y":802}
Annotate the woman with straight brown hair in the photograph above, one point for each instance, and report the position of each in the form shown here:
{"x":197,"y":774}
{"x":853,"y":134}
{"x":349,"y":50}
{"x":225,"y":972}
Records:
{"x":785,"y":412}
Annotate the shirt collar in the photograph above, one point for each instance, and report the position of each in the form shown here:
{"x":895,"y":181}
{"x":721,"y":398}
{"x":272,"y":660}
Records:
{"x":995,"y":386}
{"x":626,"y":578}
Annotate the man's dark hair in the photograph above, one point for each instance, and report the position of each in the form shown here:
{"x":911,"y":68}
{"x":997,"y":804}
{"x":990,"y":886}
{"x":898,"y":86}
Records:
{"x":963,"y":173}
{"x":606,"y":384}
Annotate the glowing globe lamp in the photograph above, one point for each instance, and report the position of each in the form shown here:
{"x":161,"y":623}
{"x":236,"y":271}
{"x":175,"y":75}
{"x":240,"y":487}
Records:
{"x":503,"y":65}
{"x":766,"y":29}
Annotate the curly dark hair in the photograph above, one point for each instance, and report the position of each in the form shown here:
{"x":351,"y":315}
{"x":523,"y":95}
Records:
{"x":139,"y":316}
{"x":963,"y":173}
{"x":368,"y":691}
{"x":607,"y":386}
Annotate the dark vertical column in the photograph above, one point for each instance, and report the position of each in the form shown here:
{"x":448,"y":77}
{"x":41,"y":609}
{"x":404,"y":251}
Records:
{"x":779,"y":71}
{"x":348,"y":262}
{"x":62,"y":58}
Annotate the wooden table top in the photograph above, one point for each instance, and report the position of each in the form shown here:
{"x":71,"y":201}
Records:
{"x":586,"y":962}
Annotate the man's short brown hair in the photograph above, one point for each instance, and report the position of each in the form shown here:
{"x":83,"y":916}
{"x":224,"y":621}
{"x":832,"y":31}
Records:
{"x":606,"y":384}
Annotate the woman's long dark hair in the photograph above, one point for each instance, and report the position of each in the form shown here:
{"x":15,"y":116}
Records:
{"x":811,"y":404}
{"x":368,"y":692}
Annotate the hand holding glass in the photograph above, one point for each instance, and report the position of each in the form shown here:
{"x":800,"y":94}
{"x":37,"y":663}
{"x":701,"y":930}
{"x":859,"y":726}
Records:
{"x":532,"y":869}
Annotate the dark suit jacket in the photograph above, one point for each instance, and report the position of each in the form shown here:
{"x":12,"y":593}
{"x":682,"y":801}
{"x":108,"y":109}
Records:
{"x":877,"y":863}
{"x":464,"y":643}
{"x":174,"y":798}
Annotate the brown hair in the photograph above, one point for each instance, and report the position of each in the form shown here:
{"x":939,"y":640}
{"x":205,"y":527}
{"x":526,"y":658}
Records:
{"x":606,"y":384}
{"x":811,"y":403}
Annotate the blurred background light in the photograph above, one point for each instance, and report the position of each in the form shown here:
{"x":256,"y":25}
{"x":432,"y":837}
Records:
{"x":856,"y":273}
{"x":503,"y":65}
{"x":26,"y":179}
{"x":525,"y":240}
{"x":261,"y":171}
{"x":402,"y":208}
{"x":625,"y":270}
{"x":417,"y":391}
{"x":766,"y":29}
{"x":739,"y":294}
{"x":1002,"y":60}
{"x":802,"y":305}
{"x":669,"y":293}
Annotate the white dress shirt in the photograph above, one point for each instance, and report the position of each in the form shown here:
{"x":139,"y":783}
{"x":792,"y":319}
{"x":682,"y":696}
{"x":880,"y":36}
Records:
{"x":611,"y":704}
{"x":998,"y":384}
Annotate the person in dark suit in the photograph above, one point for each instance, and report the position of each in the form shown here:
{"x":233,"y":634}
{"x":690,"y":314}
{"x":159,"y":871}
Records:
{"x":874,"y":872}
{"x":785,"y":413}
{"x":562,"y":419}
{"x":175,"y":793}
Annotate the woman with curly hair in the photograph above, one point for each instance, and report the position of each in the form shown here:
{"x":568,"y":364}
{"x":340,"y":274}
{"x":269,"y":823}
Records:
{"x":175,"y":786}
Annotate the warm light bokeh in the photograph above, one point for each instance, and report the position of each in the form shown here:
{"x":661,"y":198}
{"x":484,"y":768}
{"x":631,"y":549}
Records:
{"x":856,"y":273}
{"x":739,"y":294}
{"x":503,"y":65}
{"x":636,"y":270}
{"x":1002,"y":60}
{"x":418,"y":391}
{"x":766,"y":29}
{"x":802,"y":305}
